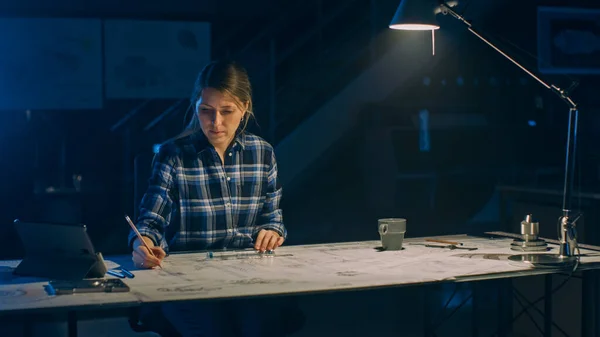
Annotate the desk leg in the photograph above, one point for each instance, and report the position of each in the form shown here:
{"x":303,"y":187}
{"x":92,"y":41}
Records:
{"x":28,"y":328}
{"x":548,"y":306}
{"x":505,"y":307}
{"x":475,"y":309}
{"x":596,"y":303}
{"x":72,"y":324}
{"x":588,"y":294}
{"x":591,"y":309}
{"x":426,"y":311}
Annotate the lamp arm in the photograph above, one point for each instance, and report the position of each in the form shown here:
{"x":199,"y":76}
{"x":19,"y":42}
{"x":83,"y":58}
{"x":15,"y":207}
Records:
{"x":564,"y":95}
{"x":567,"y":232}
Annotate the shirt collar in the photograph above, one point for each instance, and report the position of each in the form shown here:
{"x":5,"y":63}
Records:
{"x":201,"y":143}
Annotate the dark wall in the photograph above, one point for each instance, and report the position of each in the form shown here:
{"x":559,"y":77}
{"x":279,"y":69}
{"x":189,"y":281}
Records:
{"x":138,"y":9}
{"x":98,"y":154}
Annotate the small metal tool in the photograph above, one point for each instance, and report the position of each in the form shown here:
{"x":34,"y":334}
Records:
{"x":238,"y":254}
{"x":451,"y":247}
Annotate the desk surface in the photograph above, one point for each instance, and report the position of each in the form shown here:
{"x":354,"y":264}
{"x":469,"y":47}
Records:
{"x":292,"y":270}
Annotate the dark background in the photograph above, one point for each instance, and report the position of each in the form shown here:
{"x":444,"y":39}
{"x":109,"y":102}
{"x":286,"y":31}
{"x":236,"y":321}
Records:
{"x":321,"y":47}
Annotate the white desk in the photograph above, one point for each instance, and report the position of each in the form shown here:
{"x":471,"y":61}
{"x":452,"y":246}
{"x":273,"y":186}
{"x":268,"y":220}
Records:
{"x":292,"y":270}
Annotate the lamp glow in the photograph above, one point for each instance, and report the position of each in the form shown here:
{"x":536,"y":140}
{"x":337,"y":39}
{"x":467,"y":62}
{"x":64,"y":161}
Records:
{"x":409,"y":26}
{"x":415,"y":15}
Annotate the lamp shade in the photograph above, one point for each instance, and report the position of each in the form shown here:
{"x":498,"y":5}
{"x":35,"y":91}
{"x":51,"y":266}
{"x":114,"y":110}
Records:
{"x":415,"y":15}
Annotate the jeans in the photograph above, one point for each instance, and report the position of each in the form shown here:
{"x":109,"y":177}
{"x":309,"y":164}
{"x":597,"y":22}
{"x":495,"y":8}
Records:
{"x":227,"y":318}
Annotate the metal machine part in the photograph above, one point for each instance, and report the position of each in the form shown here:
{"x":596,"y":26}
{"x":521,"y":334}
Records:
{"x":529,"y":241}
{"x":531,"y":244}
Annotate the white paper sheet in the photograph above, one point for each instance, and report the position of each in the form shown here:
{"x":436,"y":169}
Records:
{"x":294,"y":270}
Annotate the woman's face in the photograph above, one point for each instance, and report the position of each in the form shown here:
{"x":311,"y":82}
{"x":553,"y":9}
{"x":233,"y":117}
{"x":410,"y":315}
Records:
{"x":219,"y":117}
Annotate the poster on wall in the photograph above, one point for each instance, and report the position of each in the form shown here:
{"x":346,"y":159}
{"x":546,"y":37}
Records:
{"x":50,"y":64}
{"x":154,"y":59}
{"x":568,"y":40}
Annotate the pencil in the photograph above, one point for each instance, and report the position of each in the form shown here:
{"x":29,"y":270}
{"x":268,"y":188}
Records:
{"x":444,"y":241}
{"x":139,"y":236}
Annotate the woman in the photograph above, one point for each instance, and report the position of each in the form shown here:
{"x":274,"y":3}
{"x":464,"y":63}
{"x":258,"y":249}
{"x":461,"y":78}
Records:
{"x":213,"y":186}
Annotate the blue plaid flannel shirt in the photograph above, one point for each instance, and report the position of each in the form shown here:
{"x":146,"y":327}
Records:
{"x":194,"y":202}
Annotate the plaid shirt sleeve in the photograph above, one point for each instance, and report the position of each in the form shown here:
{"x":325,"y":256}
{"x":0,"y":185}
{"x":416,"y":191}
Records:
{"x":271,"y":217}
{"x":157,"y":204}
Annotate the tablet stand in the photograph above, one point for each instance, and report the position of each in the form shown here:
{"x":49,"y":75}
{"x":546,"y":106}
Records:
{"x":57,"y":267}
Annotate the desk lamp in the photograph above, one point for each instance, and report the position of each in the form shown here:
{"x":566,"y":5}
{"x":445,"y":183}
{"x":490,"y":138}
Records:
{"x":421,"y":15}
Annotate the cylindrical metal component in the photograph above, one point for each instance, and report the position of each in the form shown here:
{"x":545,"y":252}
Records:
{"x":529,"y":241}
{"x":529,"y":229}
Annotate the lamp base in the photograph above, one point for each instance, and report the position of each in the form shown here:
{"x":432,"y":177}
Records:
{"x":545,"y":260}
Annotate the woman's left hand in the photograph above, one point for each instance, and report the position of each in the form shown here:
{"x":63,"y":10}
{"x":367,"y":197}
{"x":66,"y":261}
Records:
{"x":267,"y":240}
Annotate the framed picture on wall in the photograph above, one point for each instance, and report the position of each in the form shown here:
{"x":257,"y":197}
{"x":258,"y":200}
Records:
{"x":154,"y":59}
{"x":568,"y":40}
{"x":50,"y":64}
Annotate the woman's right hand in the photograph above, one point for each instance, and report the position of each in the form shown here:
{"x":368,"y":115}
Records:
{"x":141,"y":255}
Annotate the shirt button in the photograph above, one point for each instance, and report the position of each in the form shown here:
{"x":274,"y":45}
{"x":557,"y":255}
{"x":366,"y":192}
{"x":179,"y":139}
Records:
{"x":230,"y":154}
{"x":228,"y":178}
{"x":227,"y":204}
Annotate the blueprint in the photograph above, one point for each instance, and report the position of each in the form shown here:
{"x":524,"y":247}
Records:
{"x":294,"y":270}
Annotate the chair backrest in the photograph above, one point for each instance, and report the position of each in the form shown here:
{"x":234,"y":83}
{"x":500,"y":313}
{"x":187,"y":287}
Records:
{"x":142,"y":168}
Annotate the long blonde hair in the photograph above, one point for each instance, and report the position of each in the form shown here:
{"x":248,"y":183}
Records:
{"x":229,"y":78}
